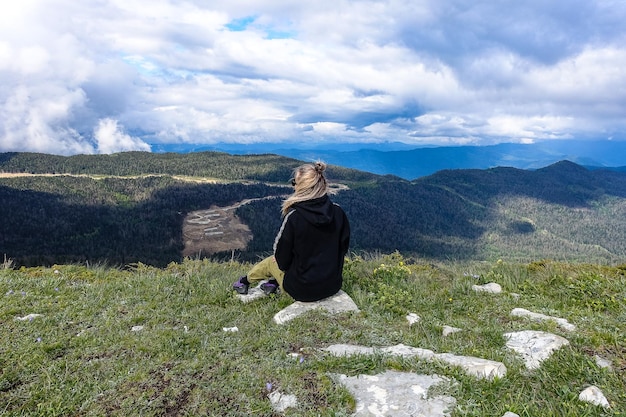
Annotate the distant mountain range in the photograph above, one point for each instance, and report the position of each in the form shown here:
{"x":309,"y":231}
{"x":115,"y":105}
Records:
{"x":130,"y":207}
{"x":408,"y":162}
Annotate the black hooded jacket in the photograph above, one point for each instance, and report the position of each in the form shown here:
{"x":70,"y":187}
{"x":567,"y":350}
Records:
{"x":310,"y":248}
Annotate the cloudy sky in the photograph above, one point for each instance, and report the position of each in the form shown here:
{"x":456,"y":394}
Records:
{"x":101,"y":76}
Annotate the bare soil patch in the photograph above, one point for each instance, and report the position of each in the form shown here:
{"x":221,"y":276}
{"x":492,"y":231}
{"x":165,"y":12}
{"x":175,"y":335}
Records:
{"x":216,"y":229}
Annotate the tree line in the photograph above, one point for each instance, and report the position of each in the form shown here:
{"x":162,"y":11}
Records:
{"x":270,"y":168}
{"x":117,"y":221}
{"x":563,"y":211}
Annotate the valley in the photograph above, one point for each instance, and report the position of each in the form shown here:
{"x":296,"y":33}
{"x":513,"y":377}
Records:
{"x":161,"y":208}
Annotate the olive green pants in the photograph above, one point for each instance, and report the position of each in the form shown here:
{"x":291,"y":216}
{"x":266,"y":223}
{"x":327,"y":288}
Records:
{"x":266,"y":269}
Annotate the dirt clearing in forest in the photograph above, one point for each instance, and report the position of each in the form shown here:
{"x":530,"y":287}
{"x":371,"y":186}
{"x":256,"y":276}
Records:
{"x":216,"y":229}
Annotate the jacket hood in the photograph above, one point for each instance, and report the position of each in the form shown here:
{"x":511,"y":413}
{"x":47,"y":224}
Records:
{"x":318,"y":211}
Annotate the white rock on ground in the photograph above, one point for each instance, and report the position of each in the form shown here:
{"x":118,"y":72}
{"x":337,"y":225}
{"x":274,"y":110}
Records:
{"x":448,"y":330}
{"x":563,"y":323}
{"x":534,"y":346}
{"x":594,"y":396}
{"x":233,"y":329}
{"x":407,"y":351}
{"x":477,"y":367}
{"x":29,"y":317}
{"x":338,"y":303}
{"x":412,"y":318}
{"x":254,"y":293}
{"x":603,"y":363}
{"x":492,"y":288}
{"x":510,"y":414}
{"x":280,"y":402}
{"x":393,"y":393}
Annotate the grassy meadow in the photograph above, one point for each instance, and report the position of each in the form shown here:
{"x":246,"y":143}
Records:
{"x":145,"y":341}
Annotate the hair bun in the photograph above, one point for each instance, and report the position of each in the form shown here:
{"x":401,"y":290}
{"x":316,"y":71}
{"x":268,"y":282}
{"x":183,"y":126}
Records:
{"x":320,"y":167}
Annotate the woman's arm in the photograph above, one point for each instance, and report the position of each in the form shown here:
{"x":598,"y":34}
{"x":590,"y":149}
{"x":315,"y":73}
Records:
{"x":283,"y":245}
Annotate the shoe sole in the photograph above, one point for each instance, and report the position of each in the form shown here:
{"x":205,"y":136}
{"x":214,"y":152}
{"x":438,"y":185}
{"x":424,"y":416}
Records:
{"x":269,"y":291}
{"x":242,"y":291}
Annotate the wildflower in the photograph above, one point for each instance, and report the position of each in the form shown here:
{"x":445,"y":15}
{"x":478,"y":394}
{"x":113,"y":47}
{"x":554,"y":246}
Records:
{"x":268,"y":386}
{"x":38,"y":340}
{"x":301,"y":359}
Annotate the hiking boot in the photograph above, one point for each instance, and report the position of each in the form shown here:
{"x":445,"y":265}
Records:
{"x":269,"y":287}
{"x":240,"y":286}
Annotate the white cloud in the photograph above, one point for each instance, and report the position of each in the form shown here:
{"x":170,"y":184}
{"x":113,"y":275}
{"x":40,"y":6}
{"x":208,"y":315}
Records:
{"x":110,"y":139}
{"x":445,"y":71}
{"x":35,"y":119}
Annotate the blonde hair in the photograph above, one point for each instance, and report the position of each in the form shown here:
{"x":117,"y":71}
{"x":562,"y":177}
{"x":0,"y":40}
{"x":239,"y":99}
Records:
{"x":310,"y":184}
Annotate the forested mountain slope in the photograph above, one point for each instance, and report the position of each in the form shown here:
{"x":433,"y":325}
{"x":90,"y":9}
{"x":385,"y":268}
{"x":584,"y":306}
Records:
{"x":109,"y":211}
{"x":219,"y":165}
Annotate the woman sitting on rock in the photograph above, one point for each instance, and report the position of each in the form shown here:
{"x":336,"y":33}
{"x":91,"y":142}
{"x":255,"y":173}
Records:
{"x":310,"y":247}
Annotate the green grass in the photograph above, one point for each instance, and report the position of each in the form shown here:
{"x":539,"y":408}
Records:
{"x":81,"y":358}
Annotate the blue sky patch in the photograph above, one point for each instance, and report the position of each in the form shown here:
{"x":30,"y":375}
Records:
{"x":241,"y":24}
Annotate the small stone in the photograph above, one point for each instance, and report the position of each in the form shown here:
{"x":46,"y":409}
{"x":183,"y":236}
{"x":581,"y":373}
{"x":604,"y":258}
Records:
{"x":448,"y":330}
{"x":230,"y":329}
{"x":491,"y":288}
{"x":412,"y":318}
{"x":510,"y":414}
{"x":594,"y":396}
{"x":280,"y":402}
{"x":603,"y":363}
{"x":136,"y":328}
{"x":29,"y":317}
